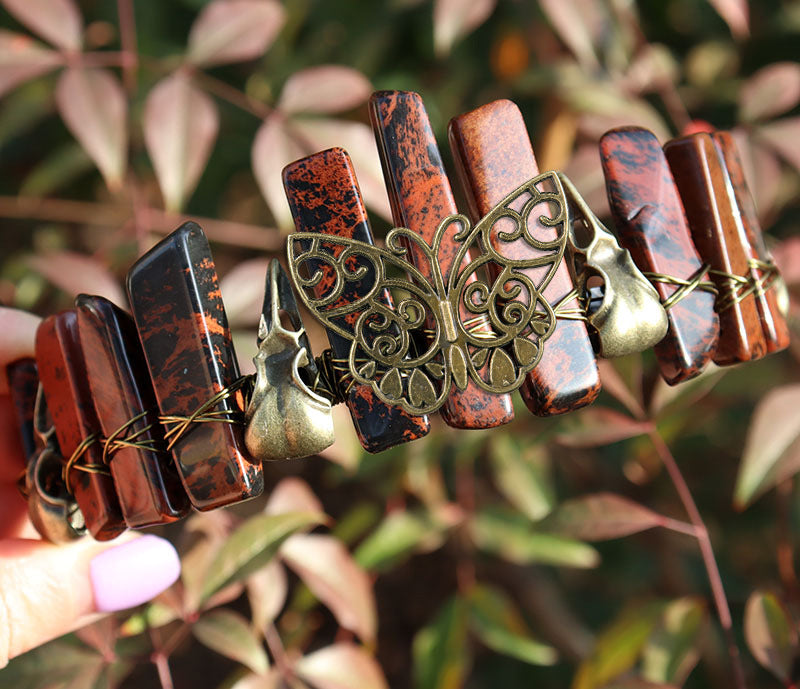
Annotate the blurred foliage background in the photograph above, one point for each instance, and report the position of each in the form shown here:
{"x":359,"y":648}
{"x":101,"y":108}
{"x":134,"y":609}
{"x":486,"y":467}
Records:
{"x":467,"y":558}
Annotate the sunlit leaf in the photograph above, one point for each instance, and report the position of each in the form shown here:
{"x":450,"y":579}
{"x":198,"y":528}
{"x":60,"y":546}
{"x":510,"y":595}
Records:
{"x":324,"y":89}
{"x":207,"y":532}
{"x":441,"y":659}
{"x":399,"y":534}
{"x":230,"y":635}
{"x":523,"y":475}
{"x":267,"y":590}
{"x":359,"y":142}
{"x":155,"y":615}
{"x":22,"y":58}
{"x":618,"y":647}
{"x":272,"y":680}
{"x":673,"y":649}
{"x":771,"y":91}
{"x":775,"y":426}
{"x":94,"y":108}
{"x":252,"y":545}
{"x":273,"y":149}
{"x":454,"y":19}
{"x":770,"y":633}
{"x":76,"y":273}
{"x":598,"y":426}
{"x":234,"y":31}
{"x":242,"y":291}
{"x":576,"y":22}
{"x":341,"y":666}
{"x":783,"y":136}
{"x":180,"y":126}
{"x":293,"y":494}
{"x":736,"y":15}
{"x":601,"y":517}
{"x":498,"y":624}
{"x":57,"y":21}
{"x":512,"y":538}
{"x":328,"y":569}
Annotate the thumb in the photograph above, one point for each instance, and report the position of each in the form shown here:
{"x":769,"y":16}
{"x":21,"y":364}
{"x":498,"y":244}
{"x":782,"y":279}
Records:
{"x":47,"y":590}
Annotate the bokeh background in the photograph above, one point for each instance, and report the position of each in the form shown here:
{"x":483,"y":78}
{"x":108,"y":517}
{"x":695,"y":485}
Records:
{"x":551,"y":553}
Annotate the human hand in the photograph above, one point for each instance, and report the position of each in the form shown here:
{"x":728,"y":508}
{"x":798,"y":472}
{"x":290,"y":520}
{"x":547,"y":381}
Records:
{"x":47,"y":590}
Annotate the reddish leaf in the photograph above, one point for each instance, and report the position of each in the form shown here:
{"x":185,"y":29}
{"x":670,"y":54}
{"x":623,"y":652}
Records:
{"x":76,"y":273}
{"x":770,"y":91}
{"x":22,"y":58}
{"x":57,"y":21}
{"x":95,"y":110}
{"x":454,"y":19}
{"x":770,"y":634}
{"x":787,"y":257}
{"x":234,"y":31}
{"x":272,"y":680}
{"x":577,"y":23}
{"x":600,"y":426}
{"x":180,"y":127}
{"x":736,"y":15}
{"x":324,"y":89}
{"x":614,"y":385}
{"x":341,"y":666}
{"x":273,"y":149}
{"x":267,"y":590}
{"x":774,"y":428}
{"x":357,"y":139}
{"x":293,"y":495}
{"x":601,"y":517}
{"x":329,"y":570}
{"x":784,"y":137}
{"x":243,"y":291}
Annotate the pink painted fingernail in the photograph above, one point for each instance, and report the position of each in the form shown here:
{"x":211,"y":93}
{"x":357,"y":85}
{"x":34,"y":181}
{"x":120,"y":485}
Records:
{"x":132,"y":573}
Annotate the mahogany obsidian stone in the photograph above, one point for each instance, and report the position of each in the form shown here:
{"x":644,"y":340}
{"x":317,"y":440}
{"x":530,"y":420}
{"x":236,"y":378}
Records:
{"x":324,"y":197}
{"x":178,"y":309}
{"x":421,"y":197}
{"x":23,"y":384}
{"x":146,"y":480}
{"x":62,"y":372}
{"x":651,"y":224}
{"x":494,"y":156}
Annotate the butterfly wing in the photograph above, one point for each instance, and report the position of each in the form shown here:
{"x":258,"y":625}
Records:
{"x":505,"y":320}
{"x":378,"y":301}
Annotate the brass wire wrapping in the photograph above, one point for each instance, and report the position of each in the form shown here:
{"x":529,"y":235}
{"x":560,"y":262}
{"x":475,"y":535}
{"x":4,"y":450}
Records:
{"x":685,"y":287}
{"x":736,"y":288}
{"x":74,"y":461}
{"x":119,"y":438}
{"x":176,"y":427}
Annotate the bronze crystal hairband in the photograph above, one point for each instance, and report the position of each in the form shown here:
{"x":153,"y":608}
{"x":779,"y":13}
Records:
{"x":147,"y":415}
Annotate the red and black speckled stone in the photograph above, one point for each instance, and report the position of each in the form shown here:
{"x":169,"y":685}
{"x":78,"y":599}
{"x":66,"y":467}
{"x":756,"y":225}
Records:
{"x":776,"y":330}
{"x":178,"y":309}
{"x":714,"y":220}
{"x":651,"y":224}
{"x":421,"y":197}
{"x":494,"y":156}
{"x":23,"y":384}
{"x":324,"y":197}
{"x":62,"y":372}
{"x":147,"y":482}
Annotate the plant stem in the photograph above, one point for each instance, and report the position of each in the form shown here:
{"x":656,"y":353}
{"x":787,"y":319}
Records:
{"x":275,"y":646}
{"x":707,"y":552}
{"x":233,"y":95}
{"x":162,"y":667}
{"x":127,"y":31}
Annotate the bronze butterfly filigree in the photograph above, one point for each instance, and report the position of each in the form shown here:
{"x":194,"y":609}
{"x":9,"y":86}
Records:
{"x":431,"y":331}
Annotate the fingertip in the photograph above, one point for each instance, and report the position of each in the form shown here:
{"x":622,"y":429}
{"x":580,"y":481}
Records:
{"x":133,"y":573}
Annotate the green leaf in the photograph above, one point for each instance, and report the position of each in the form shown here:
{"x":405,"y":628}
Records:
{"x":57,"y":663}
{"x":440,"y":650}
{"x":618,"y":647}
{"x":770,"y":633}
{"x":252,"y":545}
{"x":522,"y":475}
{"x":513,"y":539}
{"x":673,"y":649}
{"x":601,"y":517}
{"x":229,"y":634}
{"x":395,"y":537}
{"x":496,"y":622}
{"x":61,"y":167}
{"x":153,"y":616}
{"x":773,"y":430}
{"x":600,"y":426}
